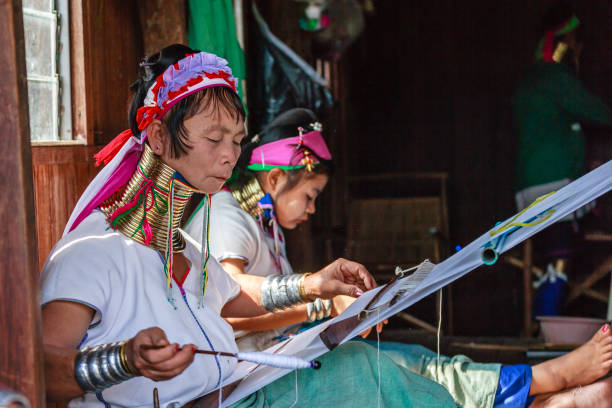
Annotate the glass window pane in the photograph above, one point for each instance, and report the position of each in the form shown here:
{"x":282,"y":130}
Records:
{"x":42,"y":5}
{"x":42,"y":98}
{"x":40,"y":45}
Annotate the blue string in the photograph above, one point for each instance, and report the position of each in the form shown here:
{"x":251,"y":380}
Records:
{"x":205,"y":335}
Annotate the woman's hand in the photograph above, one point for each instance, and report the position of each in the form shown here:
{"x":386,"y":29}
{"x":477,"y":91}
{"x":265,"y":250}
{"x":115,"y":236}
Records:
{"x":341,"y":277}
{"x":165,"y":361}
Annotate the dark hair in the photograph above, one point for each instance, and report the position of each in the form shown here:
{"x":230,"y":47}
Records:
{"x":558,"y":13}
{"x":283,"y":126}
{"x":218,"y":98}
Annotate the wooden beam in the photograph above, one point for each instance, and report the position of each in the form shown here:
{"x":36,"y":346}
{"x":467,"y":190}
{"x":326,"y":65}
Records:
{"x":519,"y":264}
{"x":21,"y":355}
{"x":418,"y":322}
{"x":599,"y":273}
{"x":81,"y":73}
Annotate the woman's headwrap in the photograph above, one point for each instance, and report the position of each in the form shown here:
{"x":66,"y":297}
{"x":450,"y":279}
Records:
{"x":191,"y":74}
{"x":545,"y":49}
{"x":291,"y":153}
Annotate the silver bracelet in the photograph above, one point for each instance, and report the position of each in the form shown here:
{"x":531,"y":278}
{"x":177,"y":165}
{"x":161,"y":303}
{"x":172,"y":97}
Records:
{"x":97,"y":368}
{"x":10,"y":397}
{"x":327,"y":304}
{"x":310,"y":312}
{"x":280,"y":292}
{"x":319,"y":309}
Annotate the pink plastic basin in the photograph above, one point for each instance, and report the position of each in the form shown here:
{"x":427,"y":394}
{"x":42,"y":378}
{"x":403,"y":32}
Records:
{"x":566,"y":329}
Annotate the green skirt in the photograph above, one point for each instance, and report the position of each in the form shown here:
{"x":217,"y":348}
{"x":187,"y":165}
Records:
{"x":472,"y":385}
{"x":348,"y":377}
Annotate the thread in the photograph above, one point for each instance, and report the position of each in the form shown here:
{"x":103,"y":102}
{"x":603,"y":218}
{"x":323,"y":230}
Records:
{"x":220,"y":403}
{"x":296,"y":391}
{"x":378,"y":359}
{"x":276,"y":360}
{"x":439,"y":329}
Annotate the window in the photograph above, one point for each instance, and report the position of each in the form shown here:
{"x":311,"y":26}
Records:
{"x":47,"y":43}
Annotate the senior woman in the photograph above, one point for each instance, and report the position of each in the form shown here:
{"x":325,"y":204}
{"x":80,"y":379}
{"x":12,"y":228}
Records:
{"x":126,"y":299}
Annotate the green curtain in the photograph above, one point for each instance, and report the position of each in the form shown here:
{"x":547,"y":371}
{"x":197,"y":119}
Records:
{"x":212,"y":28}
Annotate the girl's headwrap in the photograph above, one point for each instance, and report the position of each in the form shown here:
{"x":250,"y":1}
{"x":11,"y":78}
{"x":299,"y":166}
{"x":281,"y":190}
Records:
{"x":545,"y":49}
{"x":193,"y":73}
{"x":291,"y":153}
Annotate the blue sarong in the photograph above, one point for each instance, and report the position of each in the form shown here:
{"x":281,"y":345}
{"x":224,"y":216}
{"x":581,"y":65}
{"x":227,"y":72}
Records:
{"x":513,"y":388}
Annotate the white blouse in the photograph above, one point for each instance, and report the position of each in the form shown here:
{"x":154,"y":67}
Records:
{"x":124,"y":282}
{"x":234,"y":233}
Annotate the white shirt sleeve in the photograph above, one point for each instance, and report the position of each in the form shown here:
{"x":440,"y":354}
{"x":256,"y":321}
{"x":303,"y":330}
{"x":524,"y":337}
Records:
{"x":79,"y":272}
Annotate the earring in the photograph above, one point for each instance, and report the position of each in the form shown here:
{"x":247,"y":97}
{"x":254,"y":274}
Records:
{"x":157,"y":148}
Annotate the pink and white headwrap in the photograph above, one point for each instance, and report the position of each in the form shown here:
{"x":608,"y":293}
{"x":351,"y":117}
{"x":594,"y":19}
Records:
{"x":291,"y":153}
{"x":191,"y":74}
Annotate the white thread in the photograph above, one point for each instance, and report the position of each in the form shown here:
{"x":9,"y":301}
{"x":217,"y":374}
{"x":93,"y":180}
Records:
{"x":274,"y":360}
{"x":378,"y":359}
{"x":296,"y":391}
{"x":439,"y":328}
{"x":220,"y":404}
{"x":263,"y":163}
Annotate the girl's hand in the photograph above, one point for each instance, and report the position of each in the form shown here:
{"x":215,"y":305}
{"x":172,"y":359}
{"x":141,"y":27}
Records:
{"x":340,"y":303}
{"x":165,"y":361}
{"x":379,"y":327}
{"x":341,"y":277}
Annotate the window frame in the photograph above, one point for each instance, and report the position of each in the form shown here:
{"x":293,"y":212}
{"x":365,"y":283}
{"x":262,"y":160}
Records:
{"x":61,"y":72}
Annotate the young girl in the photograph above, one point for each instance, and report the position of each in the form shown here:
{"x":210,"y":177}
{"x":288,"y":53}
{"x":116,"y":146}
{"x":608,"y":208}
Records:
{"x":279,"y":175}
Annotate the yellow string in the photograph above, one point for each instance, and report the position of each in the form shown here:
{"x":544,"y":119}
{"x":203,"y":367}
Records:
{"x":511,"y":223}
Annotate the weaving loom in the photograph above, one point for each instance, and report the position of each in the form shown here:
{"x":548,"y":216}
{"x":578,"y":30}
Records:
{"x":378,"y":304}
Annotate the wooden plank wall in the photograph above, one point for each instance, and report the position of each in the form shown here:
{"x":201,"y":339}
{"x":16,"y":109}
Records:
{"x":61,"y":173}
{"x":114,"y":50}
{"x":20,"y":326}
{"x":442,"y":74}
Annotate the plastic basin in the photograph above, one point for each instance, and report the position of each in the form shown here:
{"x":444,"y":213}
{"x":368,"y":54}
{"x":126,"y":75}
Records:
{"x":570,"y":330}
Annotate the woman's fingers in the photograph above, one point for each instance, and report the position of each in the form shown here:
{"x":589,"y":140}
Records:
{"x":179,"y":361}
{"x":151,"y":355}
{"x":153,"y":335}
{"x":154,"y":356}
{"x":341,"y":277}
{"x":356,"y":273}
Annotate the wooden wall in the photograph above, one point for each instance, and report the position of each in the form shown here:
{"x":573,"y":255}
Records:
{"x":430,"y":90}
{"x":114,"y":49}
{"x":61,"y":173}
